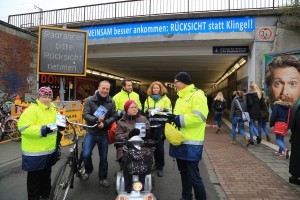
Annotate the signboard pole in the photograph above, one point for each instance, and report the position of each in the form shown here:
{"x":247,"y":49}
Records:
{"x":61,"y":88}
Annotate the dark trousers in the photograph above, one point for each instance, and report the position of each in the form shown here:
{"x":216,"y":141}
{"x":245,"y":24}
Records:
{"x":38,"y":184}
{"x":191,"y":179}
{"x":159,"y":153}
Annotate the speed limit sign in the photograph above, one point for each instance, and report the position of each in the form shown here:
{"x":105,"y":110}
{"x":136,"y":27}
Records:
{"x":265,"y":33}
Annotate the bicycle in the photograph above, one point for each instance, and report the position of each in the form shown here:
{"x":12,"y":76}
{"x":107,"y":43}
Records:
{"x":8,"y":125}
{"x":73,"y":165}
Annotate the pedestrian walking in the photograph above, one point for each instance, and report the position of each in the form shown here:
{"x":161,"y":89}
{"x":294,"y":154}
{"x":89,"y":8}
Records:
{"x":264,"y":117}
{"x":219,"y":104}
{"x":158,"y":99}
{"x":238,"y":105}
{"x":281,"y":111}
{"x":101,"y":103}
{"x":40,"y":143}
{"x":253,"y":107}
{"x":190,"y":114}
{"x":125,"y":94}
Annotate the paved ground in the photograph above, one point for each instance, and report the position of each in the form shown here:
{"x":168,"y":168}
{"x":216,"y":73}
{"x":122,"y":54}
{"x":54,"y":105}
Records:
{"x":254,"y":172}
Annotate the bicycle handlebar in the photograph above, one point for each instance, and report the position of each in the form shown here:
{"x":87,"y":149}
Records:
{"x":82,"y":125}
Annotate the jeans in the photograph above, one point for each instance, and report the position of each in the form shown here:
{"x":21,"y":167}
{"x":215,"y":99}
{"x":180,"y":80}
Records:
{"x":218,"y":118}
{"x":38,"y":184}
{"x":262,"y":125}
{"x":252,"y":129}
{"x":280,"y":142}
{"x":237,"y":121}
{"x":159,"y":153}
{"x":90,"y":141}
{"x":191,"y":179}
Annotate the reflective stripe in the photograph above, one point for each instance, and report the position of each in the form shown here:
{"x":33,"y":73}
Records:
{"x":23,"y":128}
{"x":158,"y":119}
{"x":181,"y":120}
{"x":198,"y":113}
{"x":193,"y":142}
{"x":37,"y":153}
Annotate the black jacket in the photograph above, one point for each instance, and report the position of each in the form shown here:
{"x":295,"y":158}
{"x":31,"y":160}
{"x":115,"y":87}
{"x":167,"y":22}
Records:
{"x":91,"y":105}
{"x":253,"y":105}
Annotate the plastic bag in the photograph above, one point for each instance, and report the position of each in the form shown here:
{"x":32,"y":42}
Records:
{"x":174,"y":136}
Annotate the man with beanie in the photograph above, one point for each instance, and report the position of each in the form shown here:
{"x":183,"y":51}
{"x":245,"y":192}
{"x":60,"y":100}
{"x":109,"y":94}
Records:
{"x":39,"y":143}
{"x":190,"y":113}
{"x":125,"y":94}
{"x":100,"y":101}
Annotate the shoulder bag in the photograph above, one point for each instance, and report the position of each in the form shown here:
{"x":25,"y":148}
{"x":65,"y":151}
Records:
{"x":245,"y":115}
{"x":281,"y":128}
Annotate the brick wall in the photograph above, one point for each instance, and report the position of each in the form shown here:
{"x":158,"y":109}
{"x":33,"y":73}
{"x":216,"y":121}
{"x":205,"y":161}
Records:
{"x":17,"y":62}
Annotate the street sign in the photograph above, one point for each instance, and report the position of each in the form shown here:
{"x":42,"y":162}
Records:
{"x":62,"y":51}
{"x":230,"y":49}
{"x":265,"y":33}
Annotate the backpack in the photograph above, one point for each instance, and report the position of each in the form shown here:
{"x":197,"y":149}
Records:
{"x":219,"y":105}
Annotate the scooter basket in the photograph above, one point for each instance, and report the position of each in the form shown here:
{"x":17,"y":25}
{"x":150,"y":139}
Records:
{"x":138,"y":162}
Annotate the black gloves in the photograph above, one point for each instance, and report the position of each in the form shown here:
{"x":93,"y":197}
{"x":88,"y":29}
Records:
{"x":45,"y":130}
{"x":175,"y":119}
{"x":134,"y":132}
{"x":61,"y":128}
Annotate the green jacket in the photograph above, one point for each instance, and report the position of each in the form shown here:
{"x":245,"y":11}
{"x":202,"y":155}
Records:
{"x":121,"y":98}
{"x":35,"y":148}
{"x":191,"y":106}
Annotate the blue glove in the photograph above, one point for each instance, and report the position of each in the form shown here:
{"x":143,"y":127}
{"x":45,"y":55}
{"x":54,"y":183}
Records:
{"x":45,"y":130}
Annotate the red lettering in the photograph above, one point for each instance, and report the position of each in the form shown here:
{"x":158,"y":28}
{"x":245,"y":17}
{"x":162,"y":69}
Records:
{"x":50,"y":79}
{"x":43,"y":78}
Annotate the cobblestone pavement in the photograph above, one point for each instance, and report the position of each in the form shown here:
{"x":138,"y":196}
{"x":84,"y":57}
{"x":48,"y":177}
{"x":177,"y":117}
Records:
{"x":253,"y":172}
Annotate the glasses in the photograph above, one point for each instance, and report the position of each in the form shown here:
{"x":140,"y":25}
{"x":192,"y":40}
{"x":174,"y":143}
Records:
{"x":46,"y":97}
{"x":176,"y":82}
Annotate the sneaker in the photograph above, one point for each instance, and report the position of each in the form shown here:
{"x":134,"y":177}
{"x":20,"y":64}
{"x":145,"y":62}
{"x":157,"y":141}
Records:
{"x":294,"y":180}
{"x":258,"y":140}
{"x":278,"y":154}
{"x":251,"y":142}
{"x":232,"y":142}
{"x":268,"y":138}
{"x":218,"y":130}
{"x":84,"y":176}
{"x":104,"y":183}
{"x":286,"y":153}
{"x":160,"y":173}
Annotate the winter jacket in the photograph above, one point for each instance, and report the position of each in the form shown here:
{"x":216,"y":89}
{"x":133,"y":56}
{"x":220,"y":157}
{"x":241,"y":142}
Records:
{"x":235,"y":110}
{"x":121,"y":98}
{"x":219,"y":102}
{"x":124,"y":126}
{"x":91,"y":105}
{"x":191,"y":107}
{"x":253,"y":105}
{"x":150,"y":104}
{"x":38,"y":152}
{"x":280,"y":111}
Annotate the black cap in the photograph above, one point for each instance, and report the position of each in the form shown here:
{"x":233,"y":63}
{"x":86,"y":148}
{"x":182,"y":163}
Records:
{"x":184,"y":77}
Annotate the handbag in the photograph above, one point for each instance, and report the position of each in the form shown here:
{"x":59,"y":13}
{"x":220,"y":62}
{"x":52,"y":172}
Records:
{"x":281,"y":128}
{"x":174,"y":136}
{"x":245,"y":115}
{"x":111,"y":133}
{"x":137,"y":162}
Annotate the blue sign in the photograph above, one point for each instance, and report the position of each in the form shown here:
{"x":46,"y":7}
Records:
{"x":190,"y":26}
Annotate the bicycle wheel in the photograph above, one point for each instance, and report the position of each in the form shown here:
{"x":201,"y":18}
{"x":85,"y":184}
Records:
{"x":11,"y":129}
{"x":62,"y":182}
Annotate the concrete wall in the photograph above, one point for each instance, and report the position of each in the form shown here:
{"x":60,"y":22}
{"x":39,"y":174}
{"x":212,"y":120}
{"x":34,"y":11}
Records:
{"x":17,"y":62}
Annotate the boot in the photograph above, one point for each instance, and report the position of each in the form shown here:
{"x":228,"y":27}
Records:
{"x":258,"y":140}
{"x":268,"y":138}
{"x":233,"y":142}
{"x":218,"y":130}
{"x":247,"y":141}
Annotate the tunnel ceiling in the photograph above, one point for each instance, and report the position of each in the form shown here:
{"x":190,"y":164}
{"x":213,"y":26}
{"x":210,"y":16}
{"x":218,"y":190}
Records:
{"x":149,"y":62}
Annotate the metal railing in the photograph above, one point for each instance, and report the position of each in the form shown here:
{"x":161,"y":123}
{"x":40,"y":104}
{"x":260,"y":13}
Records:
{"x":137,"y":8}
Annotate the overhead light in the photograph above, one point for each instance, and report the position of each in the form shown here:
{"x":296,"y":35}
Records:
{"x":104,"y":75}
{"x":96,"y":73}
